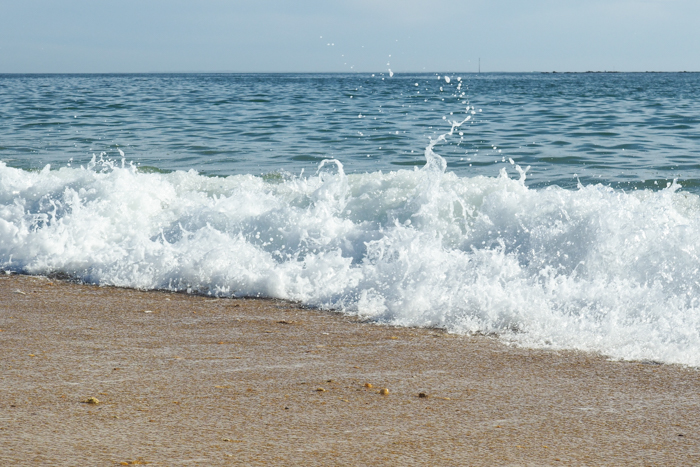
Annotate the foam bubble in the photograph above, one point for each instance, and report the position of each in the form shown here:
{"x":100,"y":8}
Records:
{"x":593,"y":268}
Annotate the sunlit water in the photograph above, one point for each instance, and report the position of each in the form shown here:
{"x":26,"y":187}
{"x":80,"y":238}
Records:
{"x":426,"y":214}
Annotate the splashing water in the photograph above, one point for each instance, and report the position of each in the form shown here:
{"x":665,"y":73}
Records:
{"x":591,"y":268}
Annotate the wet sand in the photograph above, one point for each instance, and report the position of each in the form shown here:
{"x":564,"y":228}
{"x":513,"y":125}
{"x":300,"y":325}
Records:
{"x":201,"y":381}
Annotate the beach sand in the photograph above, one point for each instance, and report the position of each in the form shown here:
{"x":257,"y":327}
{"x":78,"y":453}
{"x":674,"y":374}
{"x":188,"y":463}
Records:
{"x":190,"y":380}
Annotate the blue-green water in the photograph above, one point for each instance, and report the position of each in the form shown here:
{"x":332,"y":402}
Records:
{"x":315,"y":188}
{"x":623,"y":129}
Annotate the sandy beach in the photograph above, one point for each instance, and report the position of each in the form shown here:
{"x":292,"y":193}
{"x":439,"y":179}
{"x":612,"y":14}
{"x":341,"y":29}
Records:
{"x":190,"y":380}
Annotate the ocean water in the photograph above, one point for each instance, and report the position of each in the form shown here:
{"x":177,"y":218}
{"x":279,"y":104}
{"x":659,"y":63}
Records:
{"x":555,"y":210}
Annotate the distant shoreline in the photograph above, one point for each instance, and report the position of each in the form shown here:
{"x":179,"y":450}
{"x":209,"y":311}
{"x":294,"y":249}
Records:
{"x":354,"y":73}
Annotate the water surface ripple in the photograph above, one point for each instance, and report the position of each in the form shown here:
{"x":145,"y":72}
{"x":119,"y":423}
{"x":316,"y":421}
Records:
{"x":628,"y":130}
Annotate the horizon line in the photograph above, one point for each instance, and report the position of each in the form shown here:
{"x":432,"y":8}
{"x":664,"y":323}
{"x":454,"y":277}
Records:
{"x":326,"y":72}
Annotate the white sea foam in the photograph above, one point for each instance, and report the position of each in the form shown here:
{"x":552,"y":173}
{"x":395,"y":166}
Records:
{"x":593,"y":268}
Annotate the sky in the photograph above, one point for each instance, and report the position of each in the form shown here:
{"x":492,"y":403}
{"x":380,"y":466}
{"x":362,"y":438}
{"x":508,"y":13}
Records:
{"x":128,"y":36}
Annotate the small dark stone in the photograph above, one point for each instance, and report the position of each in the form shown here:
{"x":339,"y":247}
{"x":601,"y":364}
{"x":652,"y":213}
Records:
{"x":422,"y":395}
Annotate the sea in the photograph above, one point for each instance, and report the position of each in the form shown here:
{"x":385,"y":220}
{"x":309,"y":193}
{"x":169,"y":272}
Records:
{"x":552,"y":210}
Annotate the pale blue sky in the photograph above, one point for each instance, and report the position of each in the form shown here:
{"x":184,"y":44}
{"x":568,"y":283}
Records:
{"x":288,"y":36}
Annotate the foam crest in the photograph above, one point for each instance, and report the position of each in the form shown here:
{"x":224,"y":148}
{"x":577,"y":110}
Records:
{"x":593,"y":268}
